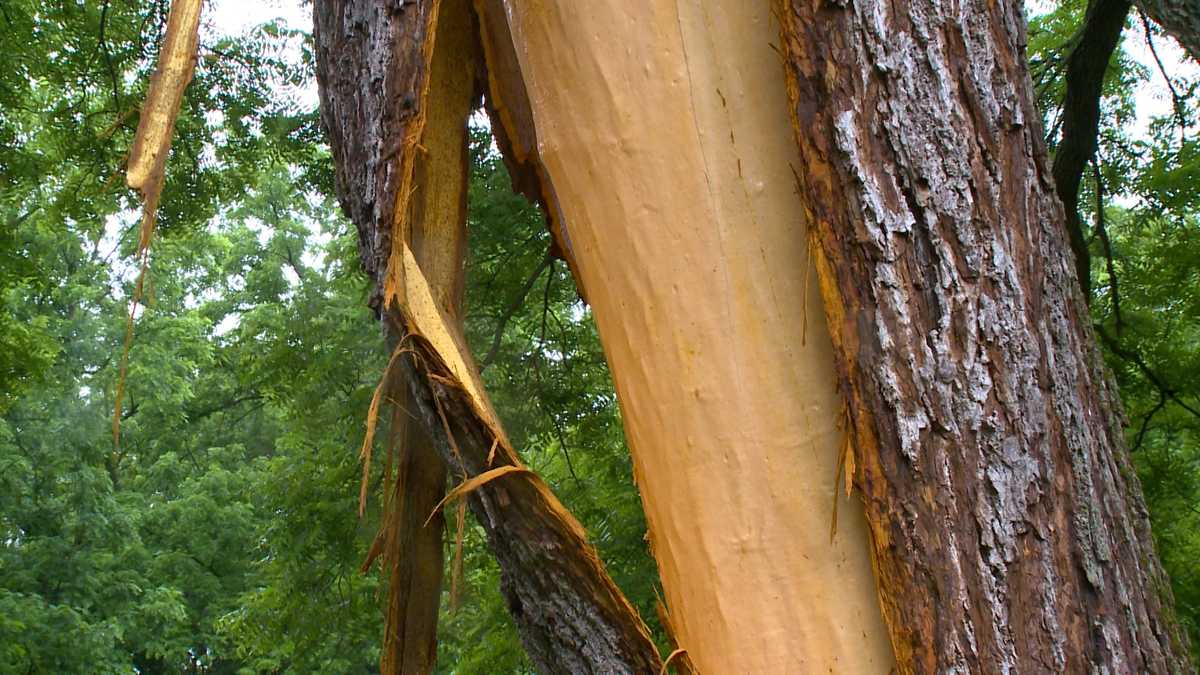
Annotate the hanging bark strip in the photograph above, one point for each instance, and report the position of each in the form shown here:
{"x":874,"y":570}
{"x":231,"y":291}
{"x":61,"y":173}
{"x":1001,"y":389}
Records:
{"x":1009,"y":530}
{"x":392,"y":100}
{"x":146,"y":170}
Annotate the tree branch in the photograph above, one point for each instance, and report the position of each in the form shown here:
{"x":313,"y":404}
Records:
{"x":517,"y":303}
{"x":1136,"y":359}
{"x":1106,"y":242}
{"x":1176,"y":100}
{"x":1086,"y":66}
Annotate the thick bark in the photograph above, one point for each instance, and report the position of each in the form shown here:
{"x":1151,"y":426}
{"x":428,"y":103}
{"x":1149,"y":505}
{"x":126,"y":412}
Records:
{"x":1181,"y":20}
{"x":1009,"y":530}
{"x":1091,"y":51}
{"x":398,"y":79}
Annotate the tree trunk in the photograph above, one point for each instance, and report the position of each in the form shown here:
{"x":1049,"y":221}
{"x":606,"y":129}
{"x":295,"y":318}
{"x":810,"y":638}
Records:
{"x":668,"y":166}
{"x":1003,"y":520}
{"x":398,"y":80}
{"x":1009,"y":529}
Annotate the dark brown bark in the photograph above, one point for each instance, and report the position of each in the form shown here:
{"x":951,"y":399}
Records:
{"x":370,"y":69}
{"x":1091,"y":51}
{"x":374,"y":63}
{"x":1180,"y":19}
{"x":1008,"y":526}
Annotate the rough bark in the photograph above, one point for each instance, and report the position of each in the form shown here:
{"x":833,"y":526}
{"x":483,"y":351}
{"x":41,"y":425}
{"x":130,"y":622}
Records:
{"x":1180,"y":19}
{"x":371,"y":70}
{"x":1091,"y":51}
{"x":397,"y":81}
{"x":1009,"y":530}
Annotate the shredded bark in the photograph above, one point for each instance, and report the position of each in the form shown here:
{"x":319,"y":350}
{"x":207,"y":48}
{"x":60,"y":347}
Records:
{"x":146,"y":170}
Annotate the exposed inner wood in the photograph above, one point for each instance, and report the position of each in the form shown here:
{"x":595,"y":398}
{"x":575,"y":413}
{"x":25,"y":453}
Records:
{"x":147,"y":167}
{"x":435,"y":222}
{"x":396,"y":84}
{"x":664,"y":128}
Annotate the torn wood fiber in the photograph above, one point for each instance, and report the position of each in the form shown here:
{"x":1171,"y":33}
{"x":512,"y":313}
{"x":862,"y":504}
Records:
{"x":146,"y":169}
{"x":397,"y":85}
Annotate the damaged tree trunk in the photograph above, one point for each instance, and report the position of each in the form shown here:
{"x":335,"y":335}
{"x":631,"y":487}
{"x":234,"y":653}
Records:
{"x":1008,"y":525}
{"x":1004,"y":529}
{"x":398,"y":81}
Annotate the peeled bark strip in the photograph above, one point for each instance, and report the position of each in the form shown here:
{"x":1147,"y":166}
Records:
{"x":664,"y":128}
{"x":513,"y":127}
{"x":147,"y":167}
{"x":398,"y":80}
{"x":1009,"y":529}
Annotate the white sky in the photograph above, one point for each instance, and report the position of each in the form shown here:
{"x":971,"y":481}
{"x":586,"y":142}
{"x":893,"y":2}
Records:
{"x":1153,"y":98}
{"x":236,"y":16}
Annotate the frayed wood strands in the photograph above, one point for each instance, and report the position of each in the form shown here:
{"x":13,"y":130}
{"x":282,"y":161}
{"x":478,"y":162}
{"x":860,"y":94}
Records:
{"x":677,"y":654}
{"x":372,"y":421}
{"x":146,"y":170}
{"x":845,"y":470}
{"x":456,"y":567}
{"x":470,"y":485}
{"x":394,"y":288}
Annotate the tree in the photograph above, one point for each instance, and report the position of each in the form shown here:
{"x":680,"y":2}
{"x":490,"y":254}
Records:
{"x":1002,"y":516}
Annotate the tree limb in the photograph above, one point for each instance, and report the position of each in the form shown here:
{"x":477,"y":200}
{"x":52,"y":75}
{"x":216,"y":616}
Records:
{"x":516,"y":305}
{"x":1136,"y":359}
{"x":1086,"y":66}
{"x":1106,"y":242}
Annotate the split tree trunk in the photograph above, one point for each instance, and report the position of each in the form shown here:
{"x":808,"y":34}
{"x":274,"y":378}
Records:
{"x":1009,"y":529}
{"x":1003,"y":519}
{"x":398,"y":80}
{"x":667,"y":161}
